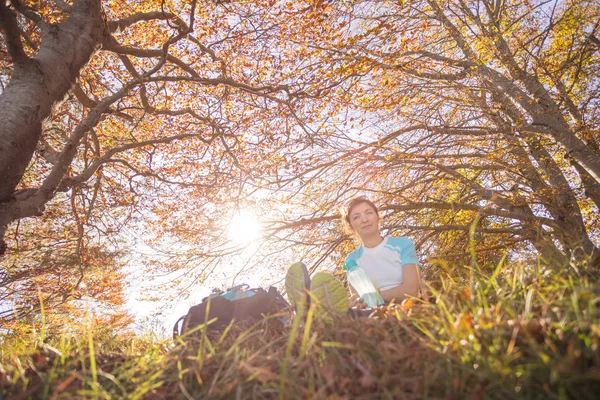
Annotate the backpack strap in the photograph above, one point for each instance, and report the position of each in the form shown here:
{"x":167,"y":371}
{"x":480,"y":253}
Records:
{"x":176,"y":328}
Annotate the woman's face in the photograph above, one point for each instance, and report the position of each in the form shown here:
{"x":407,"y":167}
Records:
{"x":364,"y":220}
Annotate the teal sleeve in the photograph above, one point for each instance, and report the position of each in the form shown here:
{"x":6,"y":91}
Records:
{"x":409,"y":254}
{"x":354,"y":256}
{"x":348,"y":257}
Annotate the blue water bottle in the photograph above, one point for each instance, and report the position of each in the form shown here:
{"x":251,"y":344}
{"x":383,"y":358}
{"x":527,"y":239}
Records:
{"x":362,"y":284}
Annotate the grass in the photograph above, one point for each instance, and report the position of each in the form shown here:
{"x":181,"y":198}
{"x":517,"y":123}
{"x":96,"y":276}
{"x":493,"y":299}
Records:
{"x":507,"y":331}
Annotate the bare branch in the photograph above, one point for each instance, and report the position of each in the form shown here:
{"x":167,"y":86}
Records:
{"x":107,"y":156}
{"x":160,"y":178}
{"x":112,"y":45}
{"x":122,"y":24}
{"x":90,"y":103}
{"x":82,"y":97}
{"x":33,"y":203}
{"x":594,"y":40}
{"x":46,"y":151}
{"x":258,"y":90}
{"x":28,"y":13}
{"x":12,"y":35}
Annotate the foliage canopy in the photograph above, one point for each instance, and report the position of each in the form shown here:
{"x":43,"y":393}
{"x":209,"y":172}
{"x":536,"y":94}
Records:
{"x":158,"y":120}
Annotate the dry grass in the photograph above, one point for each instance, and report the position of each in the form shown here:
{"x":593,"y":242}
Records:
{"x":517,"y":331}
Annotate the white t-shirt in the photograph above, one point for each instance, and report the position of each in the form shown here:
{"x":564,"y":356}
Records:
{"x":383,"y":263}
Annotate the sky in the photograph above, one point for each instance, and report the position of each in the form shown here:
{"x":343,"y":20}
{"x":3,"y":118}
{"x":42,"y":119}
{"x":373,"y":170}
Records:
{"x":244,"y":230}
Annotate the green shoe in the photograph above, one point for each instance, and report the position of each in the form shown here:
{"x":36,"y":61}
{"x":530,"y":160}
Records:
{"x":330,"y":294}
{"x":297,"y":281}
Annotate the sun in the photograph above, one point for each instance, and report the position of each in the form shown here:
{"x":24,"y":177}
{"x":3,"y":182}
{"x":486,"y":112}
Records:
{"x":244,"y":228}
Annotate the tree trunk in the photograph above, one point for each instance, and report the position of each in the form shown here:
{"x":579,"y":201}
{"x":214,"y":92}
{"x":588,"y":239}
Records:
{"x":591,"y":187}
{"x":539,"y":106}
{"x":563,"y":203}
{"x":38,"y":83}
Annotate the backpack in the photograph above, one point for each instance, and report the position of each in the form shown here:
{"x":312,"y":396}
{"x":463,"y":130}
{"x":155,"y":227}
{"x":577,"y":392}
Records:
{"x":239,"y":303}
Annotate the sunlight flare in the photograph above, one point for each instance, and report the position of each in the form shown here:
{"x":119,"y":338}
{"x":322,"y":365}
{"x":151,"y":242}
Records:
{"x":244,"y":228}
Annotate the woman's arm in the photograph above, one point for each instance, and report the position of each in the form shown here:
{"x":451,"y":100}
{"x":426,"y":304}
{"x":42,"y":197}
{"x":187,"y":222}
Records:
{"x":409,"y":287}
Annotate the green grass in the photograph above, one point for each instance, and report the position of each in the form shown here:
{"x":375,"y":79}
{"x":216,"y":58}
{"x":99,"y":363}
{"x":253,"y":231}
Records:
{"x":515,"y":331}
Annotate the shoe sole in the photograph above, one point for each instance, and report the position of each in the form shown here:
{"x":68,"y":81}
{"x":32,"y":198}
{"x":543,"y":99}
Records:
{"x":330,"y":294}
{"x":297,"y":281}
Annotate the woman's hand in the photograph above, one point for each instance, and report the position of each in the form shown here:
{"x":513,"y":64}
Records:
{"x":355,"y":301}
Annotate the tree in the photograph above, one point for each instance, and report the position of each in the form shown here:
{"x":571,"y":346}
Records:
{"x":480,"y":109}
{"x":124,"y":112}
{"x":173,"y":115}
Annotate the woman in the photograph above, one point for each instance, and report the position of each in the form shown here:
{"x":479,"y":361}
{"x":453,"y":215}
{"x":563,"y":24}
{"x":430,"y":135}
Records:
{"x":390,"y":262}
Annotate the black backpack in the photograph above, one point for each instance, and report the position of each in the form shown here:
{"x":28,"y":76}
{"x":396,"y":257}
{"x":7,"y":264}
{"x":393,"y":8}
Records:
{"x":240,"y":303}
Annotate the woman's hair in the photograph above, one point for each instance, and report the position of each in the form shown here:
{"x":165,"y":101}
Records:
{"x":350,"y":204}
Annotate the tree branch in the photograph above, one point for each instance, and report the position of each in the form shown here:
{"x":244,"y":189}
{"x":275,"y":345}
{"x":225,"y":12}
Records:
{"x":28,"y":13}
{"x":122,"y":24}
{"x":107,"y":157}
{"x":260,"y":90}
{"x":82,"y":97}
{"x":90,"y":103}
{"x":472,"y":207}
{"x":112,"y":45}
{"x":445,"y":228}
{"x":12,"y":35}
{"x":32,"y":202}
{"x":150,"y":174}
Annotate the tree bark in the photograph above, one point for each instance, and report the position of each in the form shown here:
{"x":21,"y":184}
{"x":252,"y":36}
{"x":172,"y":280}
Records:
{"x":554,"y":190}
{"x":39,"y":83}
{"x":36,"y":85}
{"x":591,"y":187}
{"x":541,"y":109}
